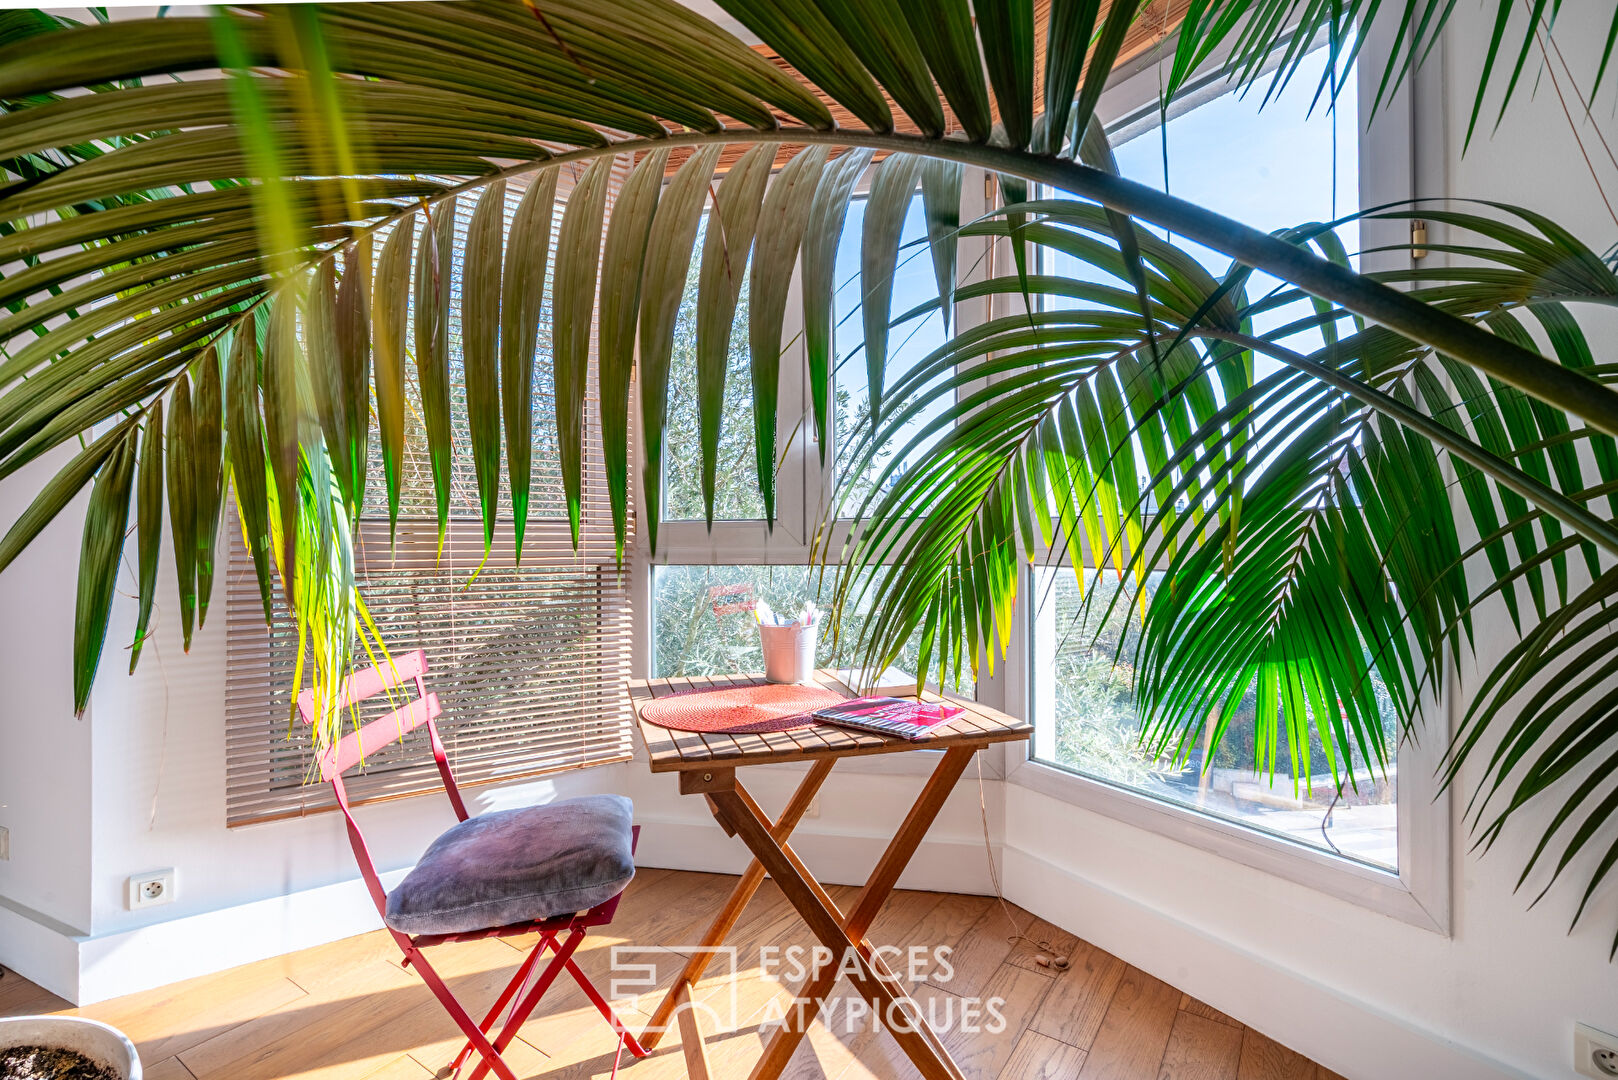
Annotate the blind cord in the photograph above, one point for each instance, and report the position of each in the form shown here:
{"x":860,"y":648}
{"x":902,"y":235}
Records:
{"x":1045,"y":955}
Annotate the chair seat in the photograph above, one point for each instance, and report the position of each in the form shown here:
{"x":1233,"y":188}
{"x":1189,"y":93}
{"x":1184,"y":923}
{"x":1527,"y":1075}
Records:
{"x":516,"y":866}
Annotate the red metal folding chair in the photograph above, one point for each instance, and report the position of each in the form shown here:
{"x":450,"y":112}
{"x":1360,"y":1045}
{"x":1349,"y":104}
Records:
{"x":519,"y":994}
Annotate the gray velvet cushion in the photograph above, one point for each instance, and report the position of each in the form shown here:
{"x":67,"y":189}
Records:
{"x":513,"y":866}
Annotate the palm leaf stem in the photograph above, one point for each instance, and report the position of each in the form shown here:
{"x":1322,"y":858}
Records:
{"x":1498,"y":469}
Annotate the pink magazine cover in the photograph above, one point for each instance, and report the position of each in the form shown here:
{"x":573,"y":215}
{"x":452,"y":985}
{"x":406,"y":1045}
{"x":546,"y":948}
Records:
{"x":904,"y":717}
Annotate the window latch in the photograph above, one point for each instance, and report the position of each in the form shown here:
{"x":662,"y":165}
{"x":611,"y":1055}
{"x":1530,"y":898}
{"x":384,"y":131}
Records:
{"x":1418,"y":238}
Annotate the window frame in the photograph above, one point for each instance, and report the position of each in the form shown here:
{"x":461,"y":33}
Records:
{"x":1419,"y":892}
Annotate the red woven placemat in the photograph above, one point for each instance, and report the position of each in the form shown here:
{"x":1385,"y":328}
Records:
{"x":739,"y":710}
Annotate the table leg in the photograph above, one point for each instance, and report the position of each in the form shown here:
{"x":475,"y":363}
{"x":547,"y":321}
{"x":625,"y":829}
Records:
{"x":843,"y":933}
{"x":728,"y":915}
{"x":691,"y":1037}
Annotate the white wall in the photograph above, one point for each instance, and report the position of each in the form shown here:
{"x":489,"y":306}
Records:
{"x":158,"y":755}
{"x":45,"y":766}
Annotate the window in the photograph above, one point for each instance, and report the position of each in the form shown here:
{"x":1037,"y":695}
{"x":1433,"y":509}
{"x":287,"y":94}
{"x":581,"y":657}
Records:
{"x":736,"y":496}
{"x":1383,"y":843}
{"x":529,"y":661}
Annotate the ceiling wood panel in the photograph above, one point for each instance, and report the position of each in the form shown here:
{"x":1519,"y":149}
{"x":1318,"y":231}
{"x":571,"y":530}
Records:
{"x":1156,"y":22}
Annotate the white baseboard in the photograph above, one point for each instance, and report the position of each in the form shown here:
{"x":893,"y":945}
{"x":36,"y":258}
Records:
{"x":87,"y":969}
{"x":1350,"y":1036}
{"x":40,"y":949}
{"x":1359,"y":1040}
{"x":129,"y":961}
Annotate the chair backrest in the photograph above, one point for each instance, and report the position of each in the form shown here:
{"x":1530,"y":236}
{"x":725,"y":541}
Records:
{"x":387,"y":729}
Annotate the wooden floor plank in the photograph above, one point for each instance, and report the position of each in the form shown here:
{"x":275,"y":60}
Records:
{"x":1073,"y":1010}
{"x":980,"y":952}
{"x":357,"y":1033}
{"x":982,"y":1039}
{"x":927,"y":950}
{"x":1201,"y":1049}
{"x":349,"y":1011}
{"x":19,"y":997}
{"x":353,"y":979}
{"x":845,"y":1045}
{"x":166,"y":1069}
{"x":1203,"y":1009}
{"x":1040,"y":1057}
{"x":404,"y":1067}
{"x":167,"y":1022}
{"x":1040,"y":938}
{"x":899,"y":917}
{"x":1265,"y":1059}
{"x":1135,"y":1031}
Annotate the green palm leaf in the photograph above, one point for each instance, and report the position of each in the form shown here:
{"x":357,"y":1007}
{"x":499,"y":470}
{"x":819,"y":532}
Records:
{"x":732,"y":224}
{"x":104,"y":523}
{"x":668,"y":255}
{"x":521,"y":304}
{"x":782,"y":219}
{"x":432,"y":318}
{"x":148,"y":525}
{"x":480,"y":299}
{"x":621,"y":261}
{"x":578,"y":258}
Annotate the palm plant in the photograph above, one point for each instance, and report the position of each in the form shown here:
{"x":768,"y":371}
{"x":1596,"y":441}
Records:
{"x":227,"y":245}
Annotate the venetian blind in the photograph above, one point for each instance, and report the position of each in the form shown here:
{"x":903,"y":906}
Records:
{"x":529,"y":660}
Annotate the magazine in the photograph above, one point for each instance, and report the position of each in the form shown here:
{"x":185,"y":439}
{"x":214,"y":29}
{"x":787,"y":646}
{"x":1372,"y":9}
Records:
{"x":905,"y":718}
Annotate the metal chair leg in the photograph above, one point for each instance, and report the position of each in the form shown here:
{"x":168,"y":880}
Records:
{"x":510,"y":994}
{"x":627,"y":1038}
{"x":490,"y":1055}
{"x":526,"y":1006}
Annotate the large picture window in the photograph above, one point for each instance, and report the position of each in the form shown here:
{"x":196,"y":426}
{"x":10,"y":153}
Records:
{"x":1300,"y":163}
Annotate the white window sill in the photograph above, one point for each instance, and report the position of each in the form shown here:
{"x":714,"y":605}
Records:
{"x":1383,"y":891}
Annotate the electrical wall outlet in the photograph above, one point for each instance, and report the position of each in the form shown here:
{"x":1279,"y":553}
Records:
{"x":5,"y":844}
{"x":1595,"y":1053}
{"x":152,"y":889}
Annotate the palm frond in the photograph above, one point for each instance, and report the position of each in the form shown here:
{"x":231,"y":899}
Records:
{"x":219,"y":276}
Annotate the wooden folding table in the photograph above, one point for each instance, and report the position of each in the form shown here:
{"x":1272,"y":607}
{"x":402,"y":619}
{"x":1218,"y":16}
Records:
{"x":707,"y":765}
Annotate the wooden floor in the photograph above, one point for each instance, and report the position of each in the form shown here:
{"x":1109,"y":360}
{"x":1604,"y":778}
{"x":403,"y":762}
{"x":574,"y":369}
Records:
{"x":348,"y":1011}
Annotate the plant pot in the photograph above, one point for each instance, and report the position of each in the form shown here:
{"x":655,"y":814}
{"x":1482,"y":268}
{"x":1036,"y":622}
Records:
{"x":99,"y":1042}
{"x":789,"y":652}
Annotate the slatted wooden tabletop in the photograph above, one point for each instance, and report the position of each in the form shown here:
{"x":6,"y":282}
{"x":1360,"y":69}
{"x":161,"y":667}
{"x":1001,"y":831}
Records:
{"x":674,"y":751}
